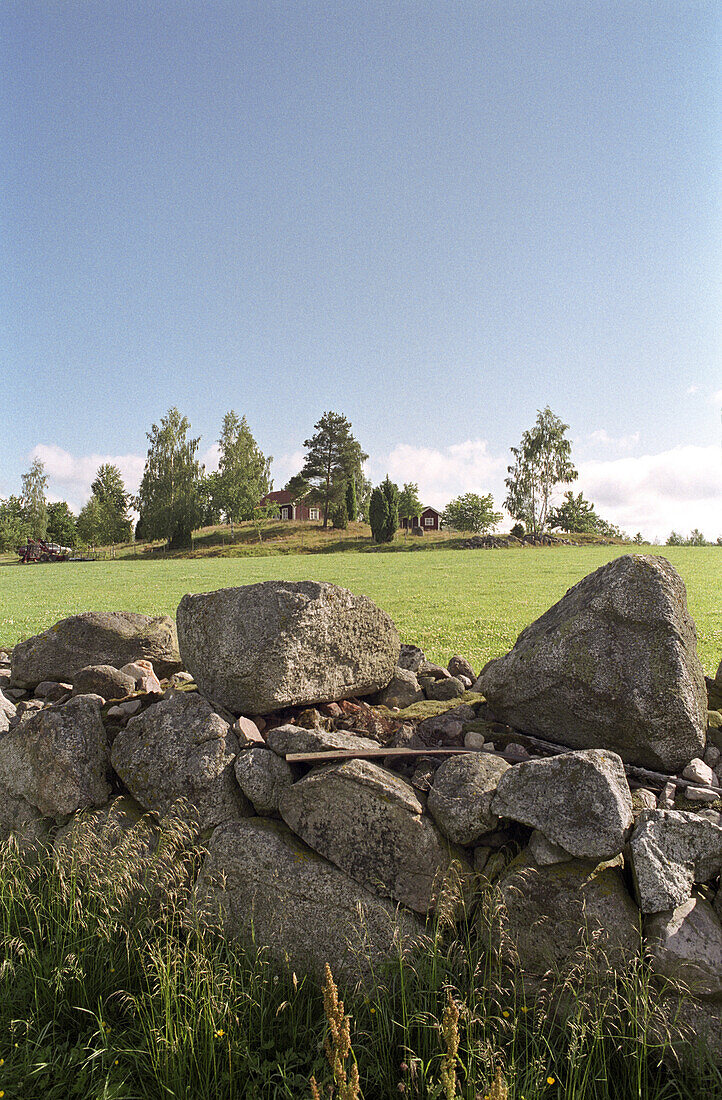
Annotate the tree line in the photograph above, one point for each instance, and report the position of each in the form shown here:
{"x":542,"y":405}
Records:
{"x":176,"y":495}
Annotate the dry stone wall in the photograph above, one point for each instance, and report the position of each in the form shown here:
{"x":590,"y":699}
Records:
{"x":583,"y":788}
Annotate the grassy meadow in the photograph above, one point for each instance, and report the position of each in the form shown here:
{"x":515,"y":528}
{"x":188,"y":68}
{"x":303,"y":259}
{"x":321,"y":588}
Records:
{"x":472,"y":602}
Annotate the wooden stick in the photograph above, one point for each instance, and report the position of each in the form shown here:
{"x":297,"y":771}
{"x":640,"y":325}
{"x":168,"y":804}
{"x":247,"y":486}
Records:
{"x":644,"y":775}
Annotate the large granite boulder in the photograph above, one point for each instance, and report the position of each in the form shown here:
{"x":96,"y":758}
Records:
{"x":370,"y":823}
{"x":180,"y":748}
{"x":58,"y":759}
{"x":461,"y":795}
{"x":579,"y":800}
{"x":551,"y":915}
{"x":685,"y":945}
{"x":290,"y":738}
{"x":24,"y":822}
{"x":613,"y":665}
{"x":277,"y":644}
{"x":670,"y":850}
{"x":96,"y":638}
{"x":265,"y":886}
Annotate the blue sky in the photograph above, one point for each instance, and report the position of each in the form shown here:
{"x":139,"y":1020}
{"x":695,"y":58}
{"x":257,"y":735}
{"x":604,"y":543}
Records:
{"x":435,"y":218}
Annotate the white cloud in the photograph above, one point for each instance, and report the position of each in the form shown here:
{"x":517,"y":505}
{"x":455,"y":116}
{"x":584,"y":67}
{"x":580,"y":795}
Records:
{"x":694,"y":388}
{"x":211,"y":458}
{"x":443,"y":474}
{"x":677,"y":489}
{"x":716,"y":398}
{"x":285,"y":466}
{"x":70,"y":476}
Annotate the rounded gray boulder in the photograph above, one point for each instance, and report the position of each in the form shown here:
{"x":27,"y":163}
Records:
{"x":264,"y":646}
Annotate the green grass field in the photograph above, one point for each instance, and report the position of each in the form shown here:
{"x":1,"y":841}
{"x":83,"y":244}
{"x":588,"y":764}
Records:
{"x":472,"y":602}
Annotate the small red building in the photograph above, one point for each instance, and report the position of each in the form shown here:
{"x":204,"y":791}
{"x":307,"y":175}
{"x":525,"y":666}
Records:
{"x":428,"y":520}
{"x":289,"y":508}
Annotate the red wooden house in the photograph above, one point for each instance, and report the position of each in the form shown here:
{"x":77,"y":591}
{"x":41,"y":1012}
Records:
{"x":428,"y":520}
{"x":291,"y":509}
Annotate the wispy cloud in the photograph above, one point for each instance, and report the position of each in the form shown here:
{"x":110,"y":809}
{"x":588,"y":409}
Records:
{"x":285,"y":466}
{"x":466,"y":467}
{"x":620,"y":443}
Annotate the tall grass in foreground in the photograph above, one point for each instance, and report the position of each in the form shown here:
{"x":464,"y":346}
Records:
{"x":109,"y":990}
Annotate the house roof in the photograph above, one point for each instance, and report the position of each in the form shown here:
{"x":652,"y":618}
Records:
{"x":280,"y":496}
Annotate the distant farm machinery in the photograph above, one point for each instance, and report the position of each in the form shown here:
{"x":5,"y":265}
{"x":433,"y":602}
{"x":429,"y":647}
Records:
{"x":37,"y":550}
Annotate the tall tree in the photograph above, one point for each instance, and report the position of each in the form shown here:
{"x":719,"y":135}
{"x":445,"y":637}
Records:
{"x":61,"y":524}
{"x":409,"y":503}
{"x":92,"y":526}
{"x":32,"y":499}
{"x":541,"y":462}
{"x":378,"y":512}
{"x":13,"y":525}
{"x":471,"y":512}
{"x":384,"y":511}
{"x":333,"y":456}
{"x":115,"y":524}
{"x":244,"y":472}
{"x":168,"y":499}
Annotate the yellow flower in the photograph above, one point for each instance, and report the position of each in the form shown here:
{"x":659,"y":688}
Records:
{"x":505,"y":1014}
{"x":220,"y":1033}
{"x":2,"y":1061}
{"x":115,"y":1063}
{"x":372,"y":1008}
{"x":550,"y":1080}
{"x":524,"y":1008}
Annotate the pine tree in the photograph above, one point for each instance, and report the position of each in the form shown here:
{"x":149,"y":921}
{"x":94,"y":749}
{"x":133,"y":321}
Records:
{"x":391,"y":493}
{"x":378,"y":514}
{"x":351,"y":505}
{"x":333,"y":457}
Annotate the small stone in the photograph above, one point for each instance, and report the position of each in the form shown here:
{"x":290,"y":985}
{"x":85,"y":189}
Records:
{"x":436,"y":672}
{"x":411,"y":657}
{"x":699,"y":772}
{"x":481,"y":857}
{"x":517,"y":752}
{"x":51,"y":691}
{"x":445,"y":689}
{"x":131,"y":706}
{"x":667,"y":797}
{"x":712,"y":756}
{"x":459,"y":666}
{"x":262,"y":776}
{"x":461,"y":797}
{"x":144,"y":676}
{"x":106,"y":680}
{"x":15,"y":693}
{"x":701,"y":794}
{"x":402,"y":691}
{"x":474,"y":740}
{"x":181,"y":678}
{"x":247,"y":732}
{"x":643,"y":799}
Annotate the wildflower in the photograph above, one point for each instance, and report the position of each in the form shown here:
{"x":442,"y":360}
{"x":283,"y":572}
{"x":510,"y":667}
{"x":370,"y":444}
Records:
{"x":524,"y":1009}
{"x":2,"y":1061}
{"x":372,"y":1009}
{"x":550,"y":1080}
{"x":220,"y":1033}
{"x":505,"y":1014}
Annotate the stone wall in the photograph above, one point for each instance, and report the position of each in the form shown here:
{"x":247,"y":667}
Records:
{"x":577,"y":778}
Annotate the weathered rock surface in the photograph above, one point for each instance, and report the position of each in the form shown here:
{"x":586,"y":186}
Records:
{"x":25,"y":822}
{"x":180,"y":748}
{"x":461,"y":795}
{"x":402,"y":691}
{"x":265,"y":646}
{"x":446,"y":728}
{"x":290,"y":738}
{"x":554,"y":912}
{"x":613,"y":664}
{"x":579,"y":800}
{"x":685,"y":945}
{"x":103,"y":680}
{"x":143,"y":675}
{"x":670,"y":850}
{"x":544,"y":852}
{"x":96,"y":638}
{"x":369,"y":823}
{"x":57,"y":760}
{"x":266,"y":886}
{"x":262,"y":776}
{"x":411,"y":657}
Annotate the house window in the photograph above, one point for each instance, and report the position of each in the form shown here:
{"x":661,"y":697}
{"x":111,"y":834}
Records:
{"x":428,"y":521}
{"x":284,"y":513}
{"x":314,"y":513}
